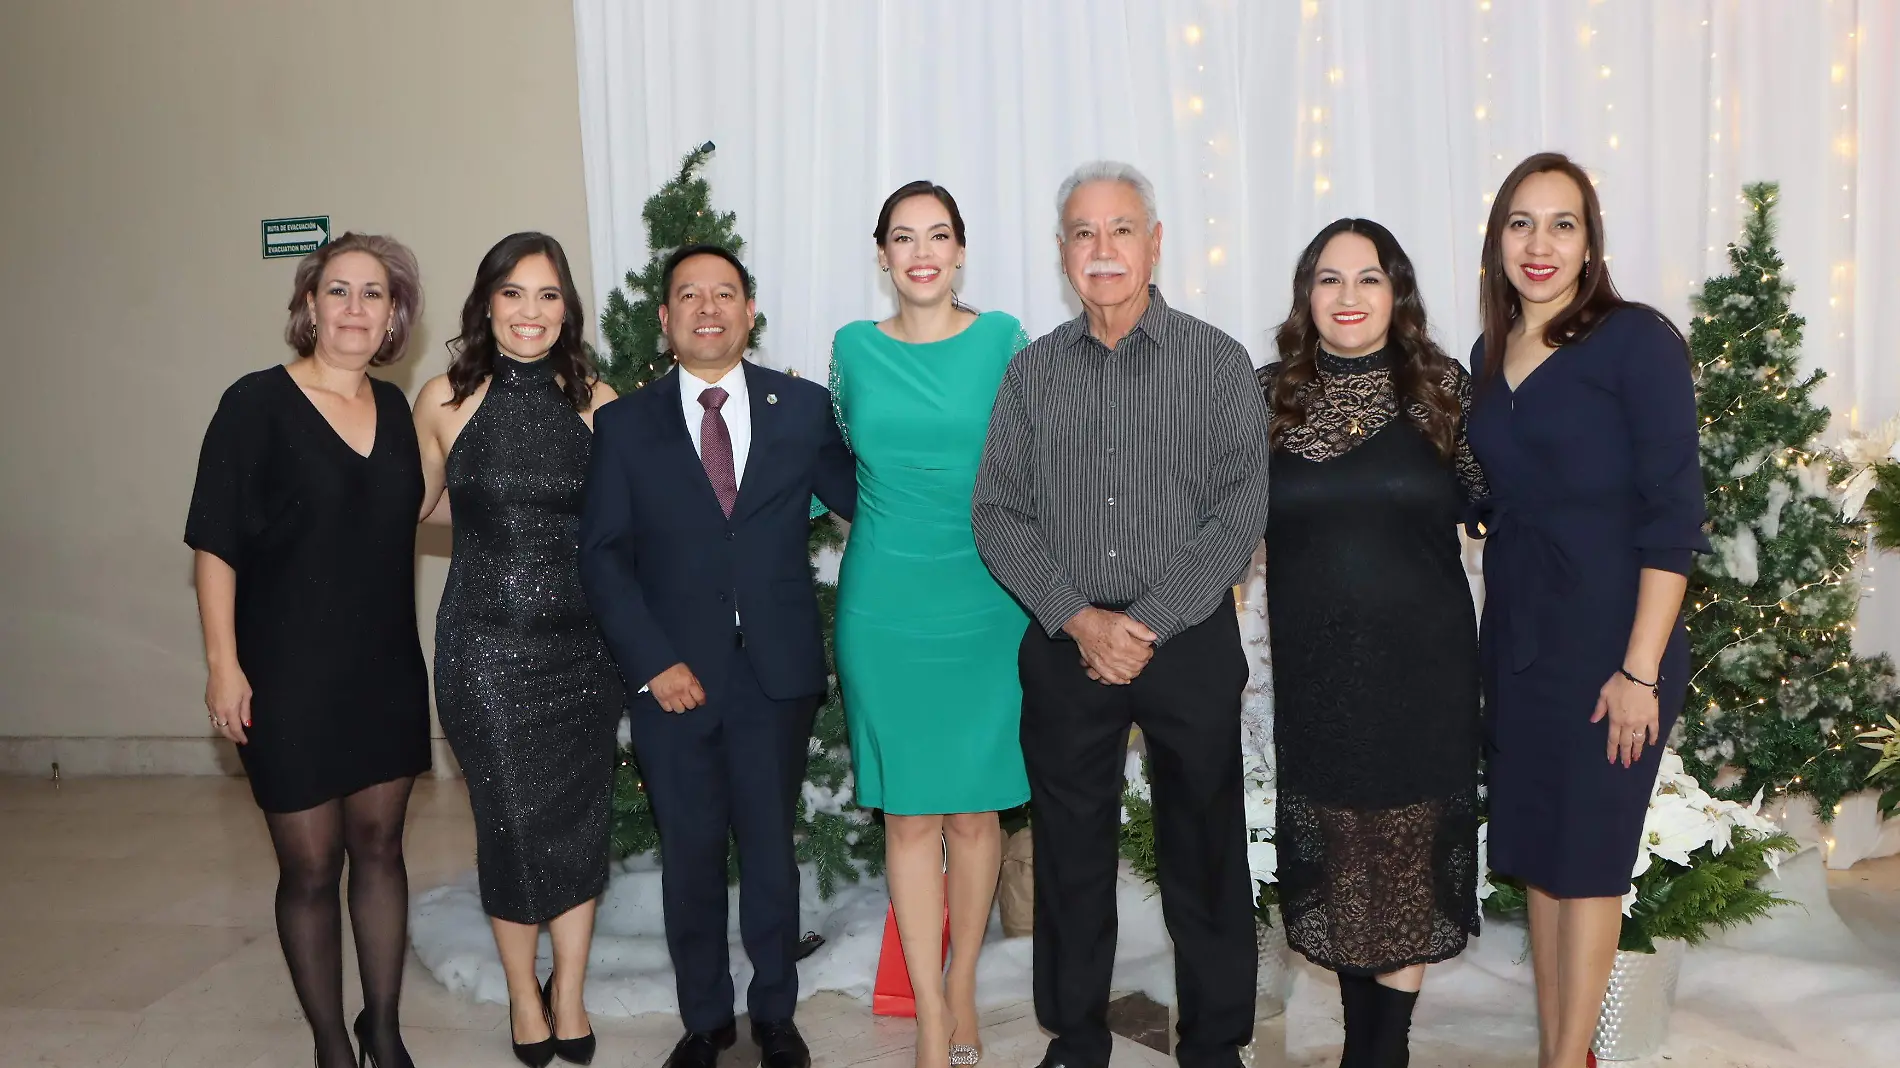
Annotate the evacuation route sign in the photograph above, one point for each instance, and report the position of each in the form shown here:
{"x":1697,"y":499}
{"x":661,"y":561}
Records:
{"x":295,"y":237}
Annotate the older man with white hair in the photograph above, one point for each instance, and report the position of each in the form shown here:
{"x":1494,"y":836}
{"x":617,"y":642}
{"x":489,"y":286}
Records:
{"x":1122,"y":492}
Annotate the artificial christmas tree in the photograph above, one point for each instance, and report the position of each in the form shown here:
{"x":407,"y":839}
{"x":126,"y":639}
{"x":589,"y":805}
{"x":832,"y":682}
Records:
{"x":1778,"y":695}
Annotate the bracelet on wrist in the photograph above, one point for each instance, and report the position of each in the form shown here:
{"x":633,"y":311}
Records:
{"x":1654,"y":688}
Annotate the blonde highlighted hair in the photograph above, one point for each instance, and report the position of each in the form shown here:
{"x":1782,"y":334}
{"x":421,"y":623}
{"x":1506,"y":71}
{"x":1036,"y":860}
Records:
{"x":405,"y":293}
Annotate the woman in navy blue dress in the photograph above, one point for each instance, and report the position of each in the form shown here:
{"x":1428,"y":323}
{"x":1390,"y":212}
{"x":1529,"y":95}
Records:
{"x":1585,"y":422}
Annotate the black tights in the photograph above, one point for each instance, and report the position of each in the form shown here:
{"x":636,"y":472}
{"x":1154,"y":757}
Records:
{"x":311,"y":845}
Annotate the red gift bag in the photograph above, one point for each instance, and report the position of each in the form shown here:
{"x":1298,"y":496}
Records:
{"x":891,"y":994}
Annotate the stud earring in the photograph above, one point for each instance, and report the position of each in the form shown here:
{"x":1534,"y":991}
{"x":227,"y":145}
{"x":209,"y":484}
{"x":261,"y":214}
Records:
{"x":886,"y":270}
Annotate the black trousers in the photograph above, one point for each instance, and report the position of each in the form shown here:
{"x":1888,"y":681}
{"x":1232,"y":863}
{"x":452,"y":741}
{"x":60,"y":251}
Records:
{"x":732,"y":767}
{"x":1074,"y":733}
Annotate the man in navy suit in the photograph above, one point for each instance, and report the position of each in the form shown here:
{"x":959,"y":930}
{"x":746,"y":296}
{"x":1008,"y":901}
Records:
{"x":693,"y":555}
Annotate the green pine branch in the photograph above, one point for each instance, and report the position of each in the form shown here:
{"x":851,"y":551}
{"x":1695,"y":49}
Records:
{"x":1882,"y":510}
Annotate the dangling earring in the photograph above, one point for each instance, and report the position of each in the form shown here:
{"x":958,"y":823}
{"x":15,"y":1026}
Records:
{"x":313,"y":330}
{"x":1585,"y":273}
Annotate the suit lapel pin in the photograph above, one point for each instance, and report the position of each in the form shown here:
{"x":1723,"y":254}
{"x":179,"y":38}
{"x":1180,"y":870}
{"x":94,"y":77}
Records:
{"x":771,"y":398}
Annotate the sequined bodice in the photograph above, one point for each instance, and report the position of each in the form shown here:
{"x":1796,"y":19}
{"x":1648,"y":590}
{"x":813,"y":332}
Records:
{"x":515,"y":478}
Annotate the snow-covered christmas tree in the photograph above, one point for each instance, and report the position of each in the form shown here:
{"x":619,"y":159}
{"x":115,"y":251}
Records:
{"x":1778,"y":694}
{"x":836,"y":837}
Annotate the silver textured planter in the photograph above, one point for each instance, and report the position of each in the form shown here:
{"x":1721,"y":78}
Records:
{"x":1636,"y":1006}
{"x":1274,"y":974}
{"x":1273,"y":981}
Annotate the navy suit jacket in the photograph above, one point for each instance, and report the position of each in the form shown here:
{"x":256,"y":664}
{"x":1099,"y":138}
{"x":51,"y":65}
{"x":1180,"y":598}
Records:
{"x":663,"y":566}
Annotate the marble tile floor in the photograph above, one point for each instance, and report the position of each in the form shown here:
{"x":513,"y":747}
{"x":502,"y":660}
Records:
{"x":136,"y":931}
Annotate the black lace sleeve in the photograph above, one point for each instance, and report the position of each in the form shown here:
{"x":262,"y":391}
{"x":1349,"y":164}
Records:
{"x":1264,"y":376}
{"x":1470,"y":474}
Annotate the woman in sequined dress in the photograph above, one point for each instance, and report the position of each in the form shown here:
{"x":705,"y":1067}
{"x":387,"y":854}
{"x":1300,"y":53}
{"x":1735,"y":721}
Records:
{"x":1375,"y":645}
{"x":525,"y":689}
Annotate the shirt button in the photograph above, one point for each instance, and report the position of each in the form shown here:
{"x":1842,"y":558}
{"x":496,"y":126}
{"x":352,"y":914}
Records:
{"x":1111,"y":448}
{"x":1111,"y":552}
{"x":1111,"y":502}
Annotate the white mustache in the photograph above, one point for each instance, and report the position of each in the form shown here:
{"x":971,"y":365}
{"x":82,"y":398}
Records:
{"x":1104,"y":267}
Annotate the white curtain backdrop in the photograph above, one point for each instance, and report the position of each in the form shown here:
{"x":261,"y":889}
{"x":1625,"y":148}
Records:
{"x":1260,"y":122}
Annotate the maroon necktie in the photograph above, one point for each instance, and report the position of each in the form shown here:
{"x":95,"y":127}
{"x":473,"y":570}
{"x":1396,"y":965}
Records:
{"x":715,"y":448}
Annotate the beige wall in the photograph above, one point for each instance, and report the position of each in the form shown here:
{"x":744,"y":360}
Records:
{"x":145,"y":141}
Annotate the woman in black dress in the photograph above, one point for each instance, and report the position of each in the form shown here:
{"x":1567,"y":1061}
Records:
{"x":1585,"y":420}
{"x":303,"y":520}
{"x":527,"y":693}
{"x":1375,"y":658}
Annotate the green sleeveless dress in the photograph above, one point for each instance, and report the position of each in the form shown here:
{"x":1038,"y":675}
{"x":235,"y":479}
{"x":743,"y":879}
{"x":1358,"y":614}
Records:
{"x":926,"y":639}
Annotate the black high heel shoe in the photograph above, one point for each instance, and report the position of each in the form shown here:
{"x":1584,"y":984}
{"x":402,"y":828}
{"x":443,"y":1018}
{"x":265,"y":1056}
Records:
{"x":364,"y":1058}
{"x":533,"y":1054}
{"x":572,"y":1050}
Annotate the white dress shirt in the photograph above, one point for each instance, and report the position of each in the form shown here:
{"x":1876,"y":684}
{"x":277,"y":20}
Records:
{"x":737,"y":412}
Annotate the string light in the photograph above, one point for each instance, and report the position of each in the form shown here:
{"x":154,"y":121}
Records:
{"x":1483,"y":108}
{"x":1196,"y":105}
{"x":1316,"y":116}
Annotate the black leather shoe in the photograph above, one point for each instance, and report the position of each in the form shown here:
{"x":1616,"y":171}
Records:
{"x":780,"y":1045}
{"x":572,"y":1050}
{"x":701,"y":1049}
{"x":534,"y":1054}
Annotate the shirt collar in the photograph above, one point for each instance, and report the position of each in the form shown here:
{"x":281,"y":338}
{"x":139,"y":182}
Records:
{"x":1154,"y":323}
{"x":734,"y":383}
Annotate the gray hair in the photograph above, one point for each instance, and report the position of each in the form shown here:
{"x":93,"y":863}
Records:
{"x":1106,"y":170}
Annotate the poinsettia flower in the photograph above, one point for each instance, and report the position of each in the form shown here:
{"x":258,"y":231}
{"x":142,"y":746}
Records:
{"x":1259,"y":807}
{"x":1263,"y":862}
{"x":1135,"y":776}
{"x":1673,"y":830}
{"x":1854,"y":491}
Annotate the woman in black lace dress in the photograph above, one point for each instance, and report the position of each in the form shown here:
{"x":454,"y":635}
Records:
{"x":525,"y":689}
{"x":1375,"y":645}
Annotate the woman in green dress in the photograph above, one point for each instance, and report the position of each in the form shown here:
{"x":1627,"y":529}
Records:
{"x":926,"y":639}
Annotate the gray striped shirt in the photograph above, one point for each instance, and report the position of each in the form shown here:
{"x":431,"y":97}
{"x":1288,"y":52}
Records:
{"x":1132,"y":478}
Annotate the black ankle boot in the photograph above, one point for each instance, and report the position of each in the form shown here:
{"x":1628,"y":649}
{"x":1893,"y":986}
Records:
{"x":1392,"y":1027}
{"x":1358,"y":996}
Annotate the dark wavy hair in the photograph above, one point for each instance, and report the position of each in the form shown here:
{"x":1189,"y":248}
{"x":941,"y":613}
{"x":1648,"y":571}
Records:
{"x":472,"y":352}
{"x":1498,"y":302}
{"x":1418,"y":366}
